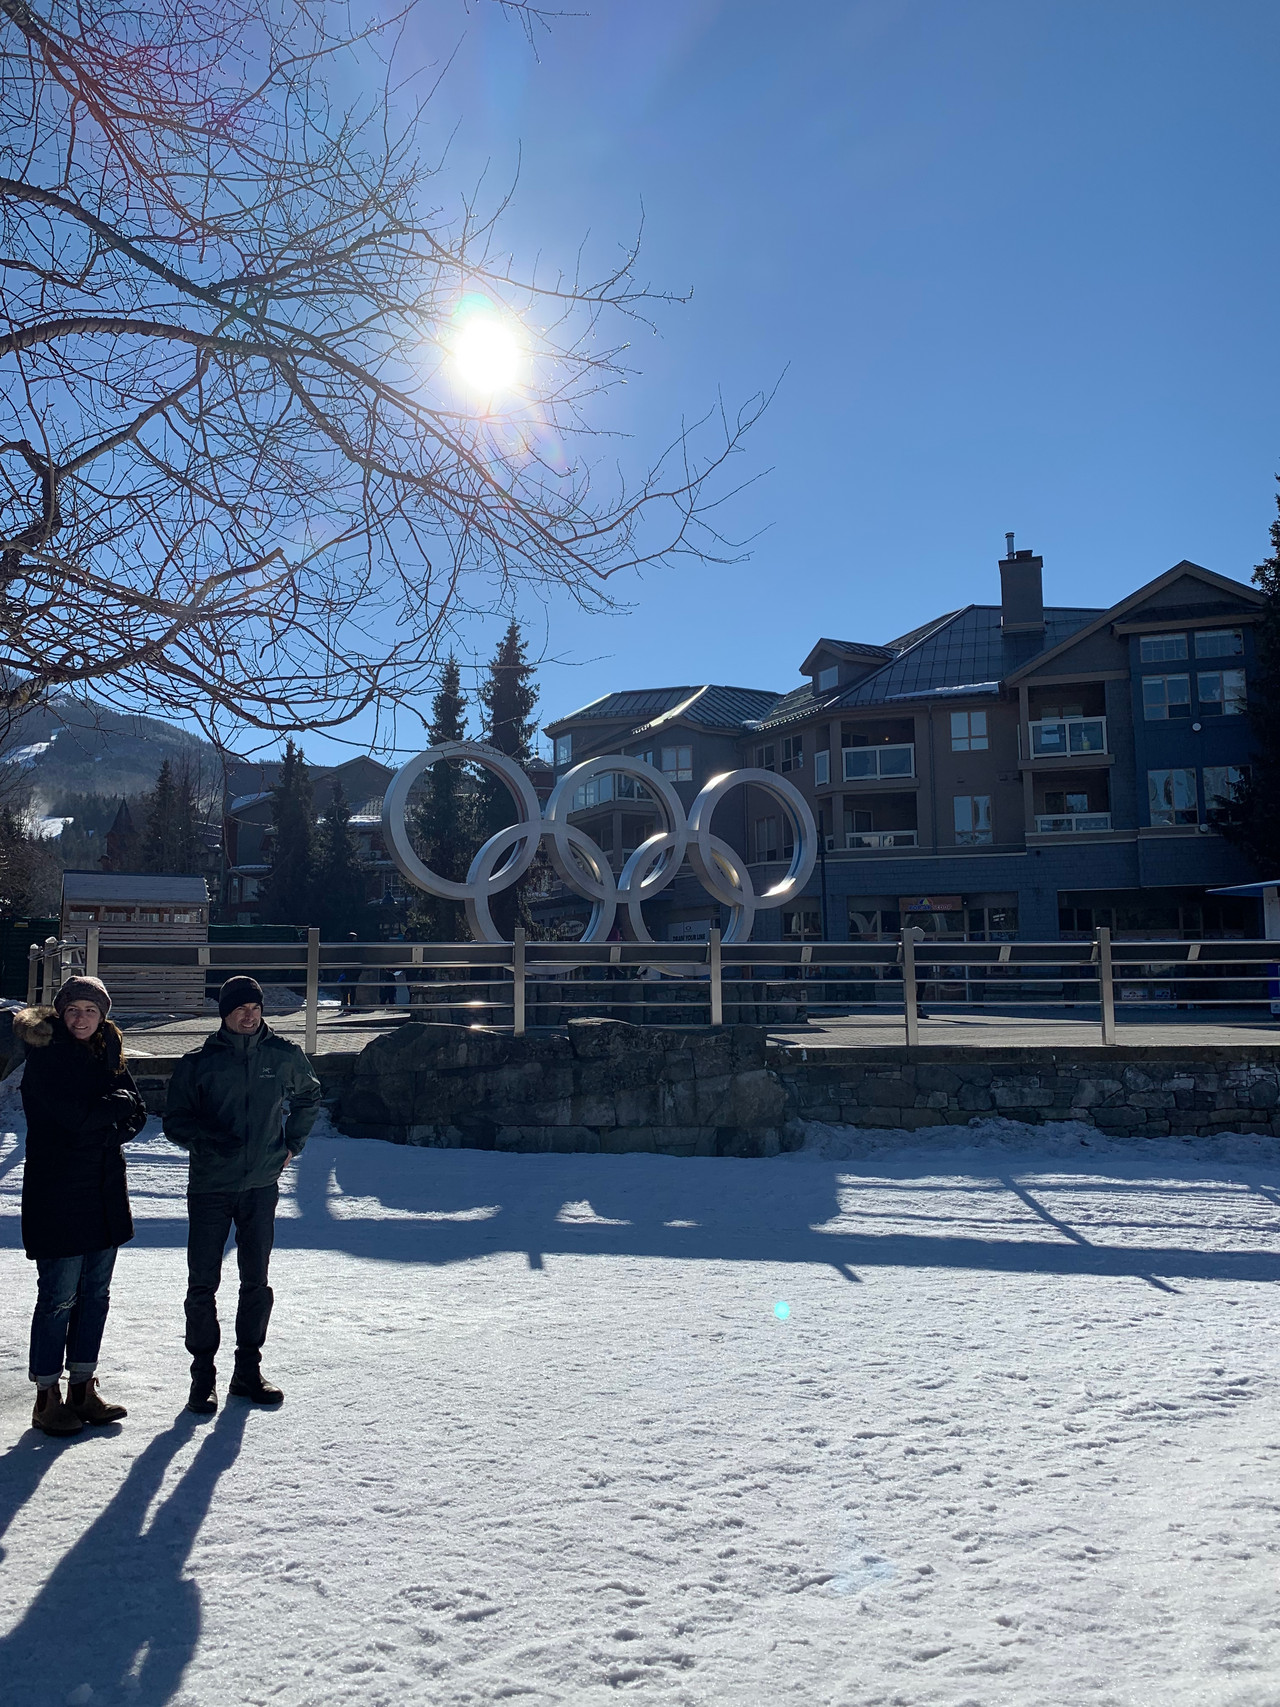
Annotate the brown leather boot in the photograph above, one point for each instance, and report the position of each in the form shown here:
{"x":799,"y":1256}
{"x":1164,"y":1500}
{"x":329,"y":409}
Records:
{"x":89,"y":1405}
{"x":51,"y":1415}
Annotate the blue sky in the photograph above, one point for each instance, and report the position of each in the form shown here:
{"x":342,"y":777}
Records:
{"x":1016,"y":265}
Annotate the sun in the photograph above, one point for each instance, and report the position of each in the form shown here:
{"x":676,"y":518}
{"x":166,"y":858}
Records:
{"x":485,"y":348}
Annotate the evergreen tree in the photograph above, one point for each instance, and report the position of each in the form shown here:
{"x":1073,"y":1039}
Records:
{"x":1253,"y":820}
{"x":159,"y":832}
{"x":290,"y":888}
{"x":339,"y":881}
{"x":443,"y":824}
{"x":189,"y":845}
{"x":171,"y":840}
{"x":508,"y":698}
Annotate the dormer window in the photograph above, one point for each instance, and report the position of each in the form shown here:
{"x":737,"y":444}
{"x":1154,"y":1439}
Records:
{"x":829,"y":678}
{"x":564,"y":749}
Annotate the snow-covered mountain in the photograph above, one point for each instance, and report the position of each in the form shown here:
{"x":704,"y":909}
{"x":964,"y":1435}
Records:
{"x":72,"y":746}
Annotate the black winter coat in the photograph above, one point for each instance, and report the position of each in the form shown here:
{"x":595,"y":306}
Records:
{"x":81,"y":1106}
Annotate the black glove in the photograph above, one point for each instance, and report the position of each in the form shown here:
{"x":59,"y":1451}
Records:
{"x":132,"y":1120}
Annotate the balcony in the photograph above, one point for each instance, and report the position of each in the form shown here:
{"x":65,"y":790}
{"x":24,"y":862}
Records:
{"x":1059,"y":737}
{"x":879,"y":839}
{"x":1071,"y":823}
{"x":869,"y":764}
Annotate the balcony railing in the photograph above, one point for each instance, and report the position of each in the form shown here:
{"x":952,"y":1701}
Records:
{"x":1068,"y":823}
{"x":880,"y":839}
{"x":866,"y":764}
{"x":1057,"y":737}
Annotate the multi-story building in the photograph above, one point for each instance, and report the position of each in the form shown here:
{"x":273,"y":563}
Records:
{"x":1006,"y":769}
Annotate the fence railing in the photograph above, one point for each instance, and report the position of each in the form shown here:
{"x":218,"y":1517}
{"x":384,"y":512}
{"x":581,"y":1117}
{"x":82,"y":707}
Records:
{"x":525,"y":983}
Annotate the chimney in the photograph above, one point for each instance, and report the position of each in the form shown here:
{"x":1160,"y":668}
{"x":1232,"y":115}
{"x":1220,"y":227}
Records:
{"x":1021,"y":592}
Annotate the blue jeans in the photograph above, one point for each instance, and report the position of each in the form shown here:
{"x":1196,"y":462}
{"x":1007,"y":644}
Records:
{"x":72,"y":1299}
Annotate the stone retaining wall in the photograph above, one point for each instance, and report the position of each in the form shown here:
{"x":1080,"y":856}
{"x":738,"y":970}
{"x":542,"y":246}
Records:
{"x":601,"y":1085}
{"x":1143,"y":1092}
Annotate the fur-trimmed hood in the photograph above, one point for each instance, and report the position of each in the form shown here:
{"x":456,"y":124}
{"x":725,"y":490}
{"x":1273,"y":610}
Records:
{"x":33,"y":1027}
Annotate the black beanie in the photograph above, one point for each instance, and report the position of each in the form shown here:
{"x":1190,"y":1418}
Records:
{"x":236,"y":992}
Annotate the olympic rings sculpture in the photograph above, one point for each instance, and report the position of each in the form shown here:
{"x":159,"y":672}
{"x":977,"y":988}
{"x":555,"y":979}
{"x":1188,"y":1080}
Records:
{"x":582,"y":865}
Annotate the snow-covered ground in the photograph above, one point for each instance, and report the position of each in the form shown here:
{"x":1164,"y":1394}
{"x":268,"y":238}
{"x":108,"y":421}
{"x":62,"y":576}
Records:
{"x":551,"y":1437}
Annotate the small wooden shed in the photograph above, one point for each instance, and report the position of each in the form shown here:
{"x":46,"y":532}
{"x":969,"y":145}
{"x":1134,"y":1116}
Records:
{"x":140,"y":907}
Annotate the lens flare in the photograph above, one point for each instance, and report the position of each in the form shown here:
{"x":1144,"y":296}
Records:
{"x":485,"y":347}
{"x":781,"y":1310}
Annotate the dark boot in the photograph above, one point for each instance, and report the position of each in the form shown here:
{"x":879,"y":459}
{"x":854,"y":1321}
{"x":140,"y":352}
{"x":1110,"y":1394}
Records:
{"x":89,"y":1405}
{"x":51,"y":1415}
{"x":248,"y":1384}
{"x":204,"y":1398}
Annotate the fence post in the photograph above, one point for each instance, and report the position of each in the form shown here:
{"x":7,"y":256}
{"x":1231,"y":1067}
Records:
{"x":909,"y":996}
{"x":717,"y":978}
{"x":313,"y":989}
{"x":1106,"y":986}
{"x":33,"y":973}
{"x":517,"y":982}
{"x":91,"y":951}
{"x":50,"y":981}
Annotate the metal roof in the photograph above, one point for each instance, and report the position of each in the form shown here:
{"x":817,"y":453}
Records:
{"x":968,"y":648}
{"x":140,"y":887}
{"x":708,"y":704}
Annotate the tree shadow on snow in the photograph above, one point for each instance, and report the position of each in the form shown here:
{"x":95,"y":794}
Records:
{"x":399,"y":1204}
{"x":117,"y":1612}
{"x":447,"y":1206}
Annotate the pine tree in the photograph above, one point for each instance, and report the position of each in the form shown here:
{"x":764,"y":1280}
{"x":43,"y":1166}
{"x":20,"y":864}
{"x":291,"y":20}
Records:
{"x":443,"y":824}
{"x":188,"y":843}
{"x":339,"y":881}
{"x":508,"y":697}
{"x":159,"y":833}
{"x":1253,"y":821}
{"x":290,"y":888}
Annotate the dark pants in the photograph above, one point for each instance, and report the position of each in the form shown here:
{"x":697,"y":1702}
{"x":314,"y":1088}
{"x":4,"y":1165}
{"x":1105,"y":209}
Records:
{"x":210,"y":1216}
{"x":73,"y":1295}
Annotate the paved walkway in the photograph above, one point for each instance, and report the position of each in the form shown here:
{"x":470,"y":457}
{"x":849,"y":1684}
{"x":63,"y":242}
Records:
{"x":1153,"y":1030}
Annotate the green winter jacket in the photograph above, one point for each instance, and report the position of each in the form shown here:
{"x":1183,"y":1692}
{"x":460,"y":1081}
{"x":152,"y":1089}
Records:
{"x":226,"y":1106}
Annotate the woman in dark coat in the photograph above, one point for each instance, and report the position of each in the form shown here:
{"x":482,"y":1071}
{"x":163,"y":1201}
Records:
{"x":81,"y":1105}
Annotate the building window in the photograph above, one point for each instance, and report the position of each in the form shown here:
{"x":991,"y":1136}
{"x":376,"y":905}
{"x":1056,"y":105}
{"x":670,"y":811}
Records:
{"x":1059,"y":801}
{"x":1172,"y":795}
{"x":765,"y":758}
{"x":822,"y":768}
{"x":1220,"y":692}
{"x":1162,"y":648}
{"x":1220,"y":643}
{"x":972,"y":818}
{"x":793,"y":752}
{"x":968,"y":731}
{"x":677,"y":763}
{"x":564,"y":749}
{"x":1222,"y":785}
{"x":766,"y":839}
{"x":1165,"y":696}
{"x":802,"y":925}
{"x":828,"y":678}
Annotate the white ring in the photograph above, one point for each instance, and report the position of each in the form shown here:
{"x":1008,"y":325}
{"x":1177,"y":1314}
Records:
{"x":396,"y":832}
{"x":793,"y":803}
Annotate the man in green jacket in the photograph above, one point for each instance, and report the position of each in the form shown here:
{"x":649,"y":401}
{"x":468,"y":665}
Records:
{"x":226,"y":1106}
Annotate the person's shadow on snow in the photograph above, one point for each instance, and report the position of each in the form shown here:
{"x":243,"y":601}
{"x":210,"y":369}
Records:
{"x":117,"y":1612}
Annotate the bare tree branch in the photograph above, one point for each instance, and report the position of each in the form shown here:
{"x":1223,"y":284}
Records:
{"x":240,"y":479}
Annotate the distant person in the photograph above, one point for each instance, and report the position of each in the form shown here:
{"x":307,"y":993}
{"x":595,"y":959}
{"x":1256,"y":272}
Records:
{"x":226,"y":1106}
{"x":81,"y":1105}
